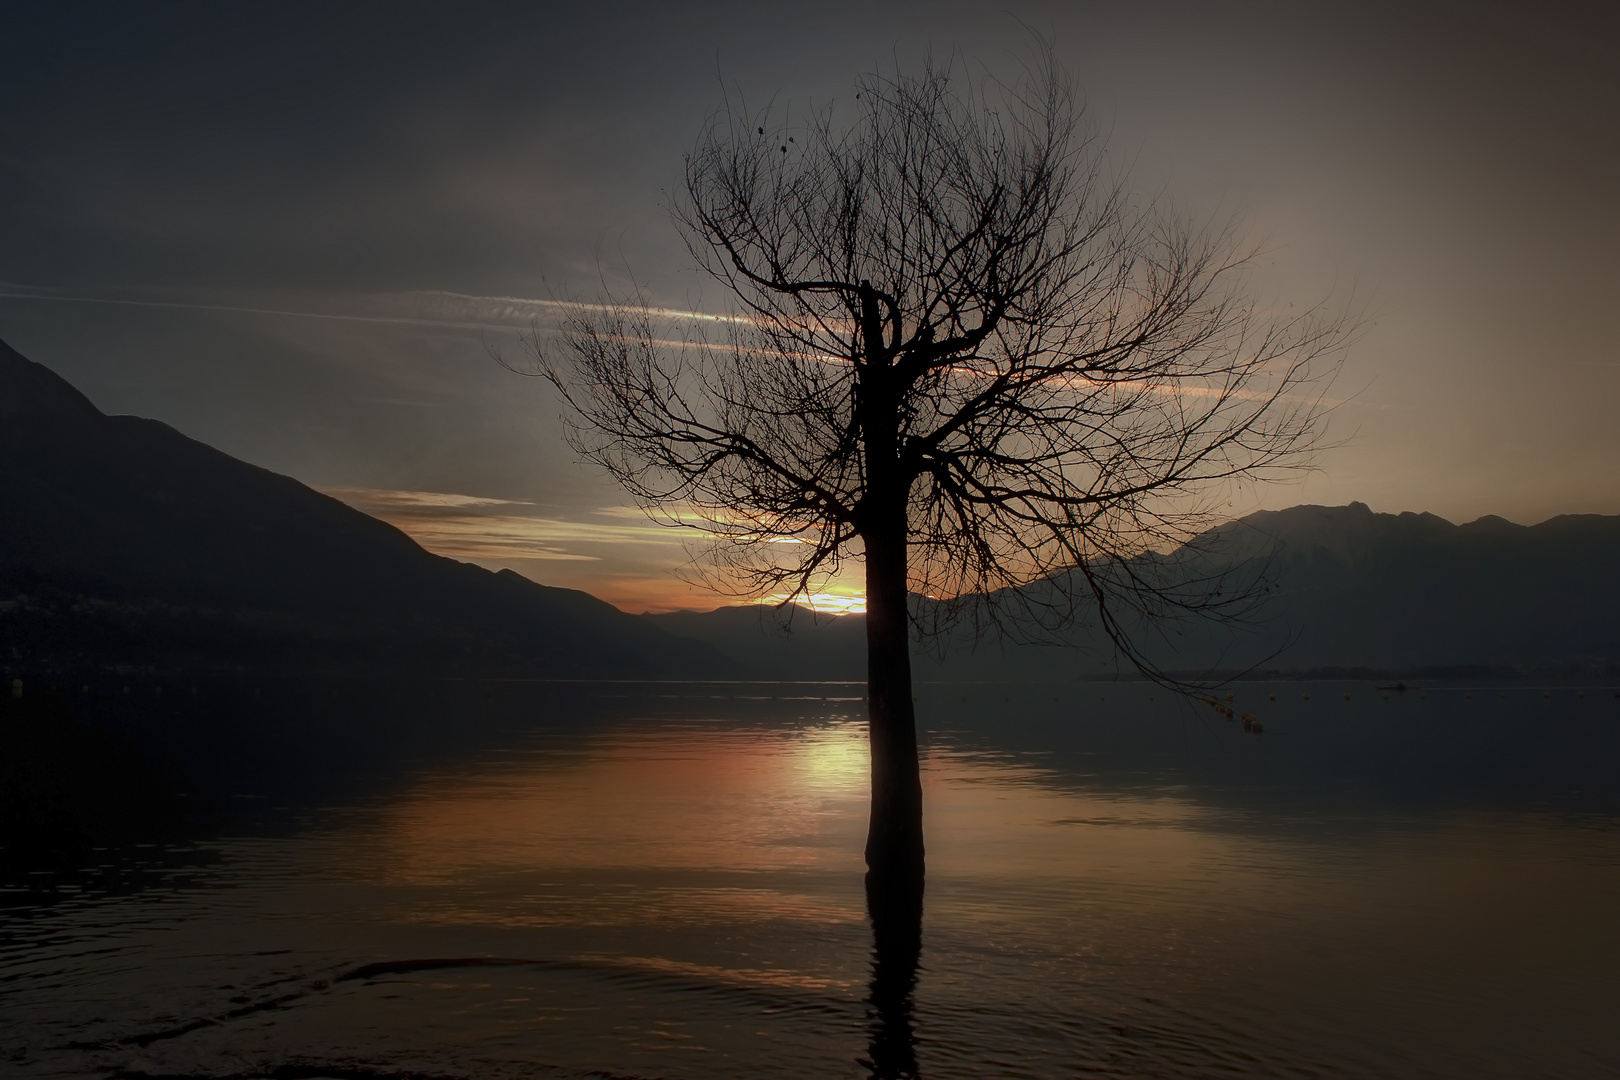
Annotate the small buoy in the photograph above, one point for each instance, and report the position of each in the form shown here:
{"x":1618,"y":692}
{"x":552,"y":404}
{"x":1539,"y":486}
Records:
{"x":16,"y":687}
{"x":1384,"y":696}
{"x":1307,"y":697}
{"x":1272,"y":697}
{"x":1347,"y":697}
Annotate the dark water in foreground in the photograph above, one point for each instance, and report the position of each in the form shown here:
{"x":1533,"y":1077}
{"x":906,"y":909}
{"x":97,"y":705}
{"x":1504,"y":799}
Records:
{"x":670,"y":879}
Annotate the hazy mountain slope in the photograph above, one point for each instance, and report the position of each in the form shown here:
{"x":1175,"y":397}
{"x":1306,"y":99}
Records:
{"x":1412,"y":590}
{"x":123,"y":538}
{"x":778,"y":644}
{"x":1348,"y":589}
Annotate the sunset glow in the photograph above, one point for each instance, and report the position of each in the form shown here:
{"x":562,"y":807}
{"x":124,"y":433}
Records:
{"x":827,"y":602}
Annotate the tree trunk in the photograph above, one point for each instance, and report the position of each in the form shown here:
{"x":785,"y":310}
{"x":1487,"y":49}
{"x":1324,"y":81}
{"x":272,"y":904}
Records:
{"x":894,"y":841}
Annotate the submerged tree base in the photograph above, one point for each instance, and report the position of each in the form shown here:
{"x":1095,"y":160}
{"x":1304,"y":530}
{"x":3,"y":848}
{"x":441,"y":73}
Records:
{"x":895,"y":904}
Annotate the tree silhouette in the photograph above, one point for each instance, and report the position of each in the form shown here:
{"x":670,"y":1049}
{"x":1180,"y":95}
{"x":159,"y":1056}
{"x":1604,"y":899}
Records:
{"x":955,"y":350}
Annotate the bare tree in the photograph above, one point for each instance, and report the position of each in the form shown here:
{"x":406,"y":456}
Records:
{"x":956,"y":350}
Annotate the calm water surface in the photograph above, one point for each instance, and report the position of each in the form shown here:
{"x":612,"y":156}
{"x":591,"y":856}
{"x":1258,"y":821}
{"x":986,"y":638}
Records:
{"x":665,"y":881}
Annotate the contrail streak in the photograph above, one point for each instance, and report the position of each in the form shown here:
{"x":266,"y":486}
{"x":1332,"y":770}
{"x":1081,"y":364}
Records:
{"x":404,"y":320}
{"x":242,"y":310}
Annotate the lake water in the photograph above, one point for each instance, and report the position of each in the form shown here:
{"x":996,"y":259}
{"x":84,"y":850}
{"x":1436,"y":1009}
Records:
{"x":628,"y":881}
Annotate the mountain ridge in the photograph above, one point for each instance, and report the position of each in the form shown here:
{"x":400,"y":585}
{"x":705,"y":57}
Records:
{"x":128,"y":539}
{"x":1346,"y":589}
{"x":127,"y":542}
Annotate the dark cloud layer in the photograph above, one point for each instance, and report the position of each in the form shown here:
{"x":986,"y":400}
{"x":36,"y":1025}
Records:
{"x":1452,"y":164}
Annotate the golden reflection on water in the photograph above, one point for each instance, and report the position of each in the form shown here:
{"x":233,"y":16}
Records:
{"x":688,"y":823}
{"x":760,"y":801}
{"x":704,"y":824}
{"x":708,"y":823}
{"x":667,"y":800}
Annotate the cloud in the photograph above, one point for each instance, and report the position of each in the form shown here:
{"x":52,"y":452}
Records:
{"x":621,"y":555}
{"x":376,"y":500}
{"x":829,"y":601}
{"x":489,"y":529}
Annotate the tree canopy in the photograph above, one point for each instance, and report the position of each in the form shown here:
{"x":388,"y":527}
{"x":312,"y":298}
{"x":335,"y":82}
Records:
{"x":1071,"y":376}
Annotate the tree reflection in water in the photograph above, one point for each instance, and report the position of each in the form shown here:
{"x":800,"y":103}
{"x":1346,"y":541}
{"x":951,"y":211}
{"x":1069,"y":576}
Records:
{"x":896,"y":909}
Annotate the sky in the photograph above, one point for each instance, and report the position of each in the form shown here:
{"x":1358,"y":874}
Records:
{"x":303,"y":234}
